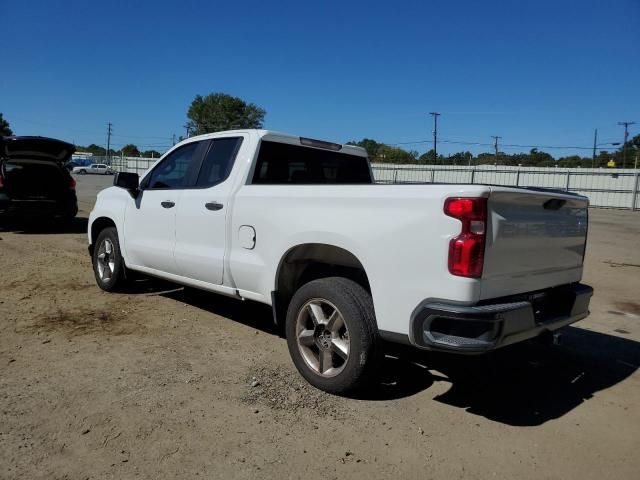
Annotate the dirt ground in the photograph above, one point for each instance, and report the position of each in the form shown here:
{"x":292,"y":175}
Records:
{"x":157,"y":383}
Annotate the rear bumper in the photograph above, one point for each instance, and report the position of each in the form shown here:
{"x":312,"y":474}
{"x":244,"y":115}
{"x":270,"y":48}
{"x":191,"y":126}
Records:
{"x":67,"y":206}
{"x":485,"y":327}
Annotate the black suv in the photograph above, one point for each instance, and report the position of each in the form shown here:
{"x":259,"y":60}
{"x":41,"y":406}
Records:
{"x":33,"y":179}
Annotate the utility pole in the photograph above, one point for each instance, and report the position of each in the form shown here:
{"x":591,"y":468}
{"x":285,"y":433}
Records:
{"x":595,"y":142}
{"x":109,"y":132}
{"x":495,"y":144}
{"x":435,"y":135}
{"x":188,"y":128}
{"x":624,"y":145}
{"x":173,"y":139}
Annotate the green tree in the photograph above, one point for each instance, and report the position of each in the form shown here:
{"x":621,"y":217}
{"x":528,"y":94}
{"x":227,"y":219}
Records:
{"x":540,"y":159}
{"x":381,"y":153}
{"x":459,"y":158}
{"x":5,"y":131}
{"x":428,"y":158}
{"x":397,"y":155}
{"x":574,"y":161}
{"x":151,"y":154}
{"x":371,"y":146}
{"x":485,"y":159}
{"x":130,"y":150}
{"x":219,"y":111}
{"x":93,"y":148}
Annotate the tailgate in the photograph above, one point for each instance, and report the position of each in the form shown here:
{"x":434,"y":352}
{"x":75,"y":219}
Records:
{"x":535,"y":240}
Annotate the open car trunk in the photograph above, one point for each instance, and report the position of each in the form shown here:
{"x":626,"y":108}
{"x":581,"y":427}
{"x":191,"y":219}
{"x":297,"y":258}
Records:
{"x":34,"y":180}
{"x":32,"y":168}
{"x":41,"y":148}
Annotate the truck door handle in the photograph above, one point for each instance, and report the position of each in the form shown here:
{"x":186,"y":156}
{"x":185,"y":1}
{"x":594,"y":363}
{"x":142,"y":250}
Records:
{"x":168,"y":204}
{"x":213,"y":206}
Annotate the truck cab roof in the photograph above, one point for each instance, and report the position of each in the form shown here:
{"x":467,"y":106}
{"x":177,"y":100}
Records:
{"x":281,"y":137}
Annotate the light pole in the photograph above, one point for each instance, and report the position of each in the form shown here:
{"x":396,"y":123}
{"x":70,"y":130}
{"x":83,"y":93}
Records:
{"x":435,"y":136}
{"x":597,"y":145}
{"x":624,"y":144}
{"x":495,"y":145}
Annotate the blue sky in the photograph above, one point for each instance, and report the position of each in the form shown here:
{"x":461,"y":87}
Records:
{"x":535,"y":73}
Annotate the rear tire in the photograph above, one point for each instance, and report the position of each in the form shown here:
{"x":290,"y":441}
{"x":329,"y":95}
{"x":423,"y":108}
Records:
{"x":332,"y":334}
{"x":82,"y":172}
{"x":108,"y":264}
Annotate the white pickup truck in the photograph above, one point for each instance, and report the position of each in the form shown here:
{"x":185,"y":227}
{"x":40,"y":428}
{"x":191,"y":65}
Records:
{"x":345,"y":263}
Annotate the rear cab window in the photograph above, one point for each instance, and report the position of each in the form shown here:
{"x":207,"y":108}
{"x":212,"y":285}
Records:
{"x":283,"y":163}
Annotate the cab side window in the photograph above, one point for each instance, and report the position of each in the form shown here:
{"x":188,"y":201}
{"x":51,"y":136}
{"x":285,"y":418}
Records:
{"x":218,"y":161}
{"x":172,"y":173}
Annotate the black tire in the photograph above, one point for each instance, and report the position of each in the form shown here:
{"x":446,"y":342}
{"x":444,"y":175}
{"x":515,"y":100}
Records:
{"x":355,"y":306}
{"x":116,"y":279}
{"x":82,"y":172}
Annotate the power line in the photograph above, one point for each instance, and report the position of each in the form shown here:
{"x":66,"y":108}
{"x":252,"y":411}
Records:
{"x":93,"y":132}
{"x":120,"y":145}
{"x":504,"y":145}
{"x":47,"y":124}
{"x":140,"y":136}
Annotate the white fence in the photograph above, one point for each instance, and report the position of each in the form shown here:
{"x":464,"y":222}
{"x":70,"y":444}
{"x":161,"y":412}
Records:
{"x":137,"y":165}
{"x":612,"y":188}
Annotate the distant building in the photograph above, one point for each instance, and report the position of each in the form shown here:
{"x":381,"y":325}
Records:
{"x":82,"y":156}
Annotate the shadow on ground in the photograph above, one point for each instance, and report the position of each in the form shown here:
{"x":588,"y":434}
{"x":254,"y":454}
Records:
{"x":44,"y":226}
{"x":522,"y":385}
{"x":530,"y":384}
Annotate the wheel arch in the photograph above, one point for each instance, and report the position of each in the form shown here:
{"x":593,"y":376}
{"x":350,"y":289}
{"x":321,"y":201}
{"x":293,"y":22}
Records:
{"x":310,"y":261}
{"x":98,"y":225}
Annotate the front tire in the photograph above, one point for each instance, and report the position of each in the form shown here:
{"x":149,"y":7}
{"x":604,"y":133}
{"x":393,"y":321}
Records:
{"x":332,"y":334}
{"x":108,"y":265}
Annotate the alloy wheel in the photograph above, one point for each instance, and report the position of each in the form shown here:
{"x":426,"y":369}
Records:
{"x":322,"y":337}
{"x":106,"y":260}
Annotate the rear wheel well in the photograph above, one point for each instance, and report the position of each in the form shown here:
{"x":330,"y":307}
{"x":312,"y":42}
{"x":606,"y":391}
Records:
{"x":311,"y":261}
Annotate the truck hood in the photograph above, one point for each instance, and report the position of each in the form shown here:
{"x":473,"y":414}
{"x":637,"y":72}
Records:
{"x":40,"y":148}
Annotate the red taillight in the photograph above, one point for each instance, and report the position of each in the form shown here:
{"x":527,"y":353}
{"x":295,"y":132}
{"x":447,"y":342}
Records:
{"x":72,"y":184}
{"x":466,"y":251}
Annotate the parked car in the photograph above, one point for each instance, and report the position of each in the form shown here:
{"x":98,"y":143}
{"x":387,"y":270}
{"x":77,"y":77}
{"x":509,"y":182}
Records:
{"x":33,"y":179}
{"x":299,"y":224}
{"x":73,"y":163}
{"x":96,"y":169}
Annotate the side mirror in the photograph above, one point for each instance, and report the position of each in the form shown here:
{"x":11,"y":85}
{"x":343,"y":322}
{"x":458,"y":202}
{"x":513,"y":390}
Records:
{"x":127,"y":180}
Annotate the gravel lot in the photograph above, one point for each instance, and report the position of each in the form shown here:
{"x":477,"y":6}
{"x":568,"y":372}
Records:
{"x":157,"y":383}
